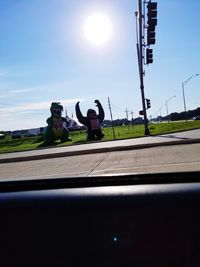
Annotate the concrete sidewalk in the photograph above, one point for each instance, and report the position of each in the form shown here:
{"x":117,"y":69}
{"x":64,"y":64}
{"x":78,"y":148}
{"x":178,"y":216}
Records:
{"x":187,"y":137}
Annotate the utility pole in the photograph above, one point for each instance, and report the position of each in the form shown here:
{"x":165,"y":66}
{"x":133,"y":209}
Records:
{"x":126,"y":111}
{"x":144,"y":52}
{"x":131,"y":117}
{"x":131,"y":114}
{"x":140,"y":64}
{"x":168,"y":116}
{"x":111,"y":118}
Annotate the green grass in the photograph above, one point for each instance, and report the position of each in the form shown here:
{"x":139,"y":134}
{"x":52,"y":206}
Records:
{"x":121,"y":132}
{"x":162,"y":128}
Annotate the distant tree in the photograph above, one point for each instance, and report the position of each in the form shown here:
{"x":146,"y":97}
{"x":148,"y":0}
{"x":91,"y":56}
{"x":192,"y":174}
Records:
{"x":175,"y":116}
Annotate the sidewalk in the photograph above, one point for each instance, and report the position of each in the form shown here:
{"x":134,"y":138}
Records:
{"x":187,"y":137}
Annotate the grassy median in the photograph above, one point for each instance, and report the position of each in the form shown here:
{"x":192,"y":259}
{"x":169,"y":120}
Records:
{"x":79,"y":137}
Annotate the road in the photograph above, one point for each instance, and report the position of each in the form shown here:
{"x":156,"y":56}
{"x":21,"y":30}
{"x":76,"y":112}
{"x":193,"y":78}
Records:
{"x":185,"y":157}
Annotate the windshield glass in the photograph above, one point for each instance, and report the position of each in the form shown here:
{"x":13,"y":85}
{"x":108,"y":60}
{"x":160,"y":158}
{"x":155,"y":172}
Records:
{"x":98,"y":87}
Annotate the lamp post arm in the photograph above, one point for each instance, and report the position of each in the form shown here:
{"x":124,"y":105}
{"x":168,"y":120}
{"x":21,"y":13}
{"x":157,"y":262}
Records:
{"x":183,"y":91}
{"x":186,"y":81}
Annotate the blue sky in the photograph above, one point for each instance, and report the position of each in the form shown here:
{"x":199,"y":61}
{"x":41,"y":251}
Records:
{"x":45,"y":57}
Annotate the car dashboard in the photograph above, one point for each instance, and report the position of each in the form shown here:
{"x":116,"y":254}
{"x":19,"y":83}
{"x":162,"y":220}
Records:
{"x":126,"y":220}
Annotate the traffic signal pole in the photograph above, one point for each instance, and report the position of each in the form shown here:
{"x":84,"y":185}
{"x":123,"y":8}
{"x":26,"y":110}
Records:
{"x":140,"y":63}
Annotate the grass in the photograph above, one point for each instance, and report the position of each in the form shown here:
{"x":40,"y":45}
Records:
{"x":121,"y":132}
{"x":162,"y":128}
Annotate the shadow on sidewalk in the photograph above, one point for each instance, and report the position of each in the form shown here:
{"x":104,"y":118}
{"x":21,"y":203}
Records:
{"x":173,"y":136}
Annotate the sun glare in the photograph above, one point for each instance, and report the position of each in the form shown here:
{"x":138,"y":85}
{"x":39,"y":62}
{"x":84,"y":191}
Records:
{"x":97,"y":29}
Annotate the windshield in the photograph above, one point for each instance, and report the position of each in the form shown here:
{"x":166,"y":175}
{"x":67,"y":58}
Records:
{"x":98,"y":87}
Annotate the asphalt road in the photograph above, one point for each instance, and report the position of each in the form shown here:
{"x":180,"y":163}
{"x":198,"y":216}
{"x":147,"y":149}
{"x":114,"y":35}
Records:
{"x":145,"y":160}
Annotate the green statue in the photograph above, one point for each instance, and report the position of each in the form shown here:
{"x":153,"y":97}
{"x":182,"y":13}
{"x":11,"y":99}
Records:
{"x":57,"y":125}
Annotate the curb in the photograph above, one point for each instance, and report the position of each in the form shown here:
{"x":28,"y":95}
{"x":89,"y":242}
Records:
{"x":98,"y":150}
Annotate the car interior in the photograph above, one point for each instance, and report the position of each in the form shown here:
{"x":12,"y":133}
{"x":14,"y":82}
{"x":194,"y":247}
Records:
{"x":122,"y":220}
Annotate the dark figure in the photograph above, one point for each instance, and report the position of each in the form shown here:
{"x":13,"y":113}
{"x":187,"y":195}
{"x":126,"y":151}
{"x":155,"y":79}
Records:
{"x":57,"y":125}
{"x":92,"y":121}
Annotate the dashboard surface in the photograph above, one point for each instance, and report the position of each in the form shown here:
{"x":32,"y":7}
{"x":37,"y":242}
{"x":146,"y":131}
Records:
{"x":135,"y":220}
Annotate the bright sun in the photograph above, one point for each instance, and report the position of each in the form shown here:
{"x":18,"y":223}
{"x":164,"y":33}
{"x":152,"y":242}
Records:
{"x":97,"y":29}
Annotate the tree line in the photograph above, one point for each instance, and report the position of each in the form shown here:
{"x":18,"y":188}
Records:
{"x":175,"y":116}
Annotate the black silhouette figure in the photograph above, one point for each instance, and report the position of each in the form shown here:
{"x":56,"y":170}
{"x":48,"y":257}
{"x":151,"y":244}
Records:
{"x":92,"y":121}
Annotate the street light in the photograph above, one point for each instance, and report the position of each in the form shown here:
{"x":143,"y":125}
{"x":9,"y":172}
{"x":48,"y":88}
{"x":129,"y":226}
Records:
{"x":160,"y":108}
{"x":167,"y":106}
{"x":183,"y":90}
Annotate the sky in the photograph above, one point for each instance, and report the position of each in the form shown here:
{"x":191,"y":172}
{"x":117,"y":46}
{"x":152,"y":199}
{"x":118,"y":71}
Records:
{"x":46,"y":56}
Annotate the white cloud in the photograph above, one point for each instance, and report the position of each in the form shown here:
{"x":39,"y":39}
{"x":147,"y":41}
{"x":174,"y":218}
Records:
{"x":30,"y":107}
{"x":29,"y":115}
{"x":13,"y":92}
{"x":24,"y":90}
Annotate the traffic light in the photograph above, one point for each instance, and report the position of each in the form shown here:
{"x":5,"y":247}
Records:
{"x":149,"y":56}
{"x":141,"y":112}
{"x":151,"y":22}
{"x":148,"y":103}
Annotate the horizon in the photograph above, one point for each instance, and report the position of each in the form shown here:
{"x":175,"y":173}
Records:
{"x":117,"y":119}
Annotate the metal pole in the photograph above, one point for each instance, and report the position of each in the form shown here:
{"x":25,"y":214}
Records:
{"x":137,"y":38}
{"x":141,"y":71}
{"x":160,"y":114}
{"x":167,"y":111}
{"x":126,"y":111}
{"x":131,"y":117}
{"x":167,"y":106}
{"x":111,"y":118}
{"x":184,"y":102}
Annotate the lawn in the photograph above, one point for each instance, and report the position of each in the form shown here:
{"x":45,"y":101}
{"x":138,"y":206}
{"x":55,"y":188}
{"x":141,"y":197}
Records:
{"x":79,"y":137}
